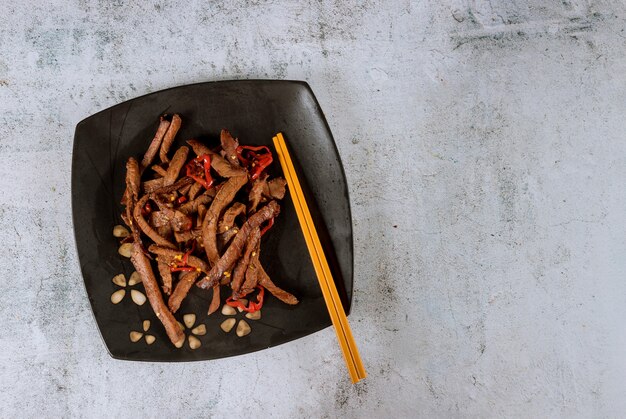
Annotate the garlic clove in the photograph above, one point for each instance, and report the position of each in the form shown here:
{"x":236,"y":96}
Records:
{"x":134,"y":279}
{"x":254,"y":316}
{"x":189,"y":320}
{"x":228,"y":324}
{"x":199,"y":330}
{"x":135,"y":336}
{"x":137,"y":297}
{"x":150,"y":339}
{"x":117,"y":296}
{"x":146,"y":325}
{"x":228,"y":310}
{"x":243,"y":328}
{"x":194,"y":342}
{"x":120,"y":231}
{"x":125,"y":250}
{"x":119,"y":280}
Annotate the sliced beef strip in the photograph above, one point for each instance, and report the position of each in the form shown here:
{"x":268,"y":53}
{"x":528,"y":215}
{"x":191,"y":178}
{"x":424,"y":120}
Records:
{"x":149,"y":186}
{"x":218,"y":163}
{"x":232,"y":254}
{"x":277,"y":292}
{"x":242,"y":264}
{"x":166,"y":277}
{"x":176,"y":255}
{"x":145,"y":227}
{"x":215,"y":301}
{"x":209,"y":225}
{"x":276,"y":188}
{"x":229,"y":145}
{"x":194,"y":190}
{"x":181,"y":290}
{"x":159,"y":219}
{"x":175,"y":165}
{"x":155,"y":144}
{"x":228,"y":219}
{"x":224,"y":238}
{"x":179,"y":184}
{"x":185,"y":236}
{"x":159,"y":170}
{"x":252,"y":274}
{"x":191,"y":207}
{"x":168,"y":139}
{"x":142,"y":265}
{"x":179,"y":221}
{"x":255,"y":194}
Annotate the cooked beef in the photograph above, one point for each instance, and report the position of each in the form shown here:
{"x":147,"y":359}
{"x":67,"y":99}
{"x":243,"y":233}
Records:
{"x":177,"y":256}
{"x":276,"y":188}
{"x":166,"y":276}
{"x":142,"y":265}
{"x":228,"y":219}
{"x":159,"y":170}
{"x":182,"y":289}
{"x":277,"y":292}
{"x":215,"y":301}
{"x":229,"y":146}
{"x":159,"y":219}
{"x":145,"y":227}
{"x":272,"y":209}
{"x":177,"y":163}
{"x":150,"y":186}
{"x":168,"y":139}
{"x":155,"y":144}
{"x":191,"y":207}
{"x":209,"y":225}
{"x":241,"y":267}
{"x":255,"y":194}
{"x":218,"y":163}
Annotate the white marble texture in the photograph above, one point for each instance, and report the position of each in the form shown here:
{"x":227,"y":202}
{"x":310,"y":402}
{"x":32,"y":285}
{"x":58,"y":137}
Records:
{"x":484,"y":147}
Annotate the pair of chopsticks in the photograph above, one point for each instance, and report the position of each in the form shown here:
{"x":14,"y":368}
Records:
{"x":322,"y":270}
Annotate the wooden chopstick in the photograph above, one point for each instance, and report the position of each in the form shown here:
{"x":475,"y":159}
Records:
{"x":320,"y":264}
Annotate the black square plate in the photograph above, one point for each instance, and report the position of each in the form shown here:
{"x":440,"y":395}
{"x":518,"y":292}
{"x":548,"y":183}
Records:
{"x":254,"y":111}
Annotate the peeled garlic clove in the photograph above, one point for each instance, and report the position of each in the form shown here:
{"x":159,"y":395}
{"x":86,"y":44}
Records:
{"x":189,"y":320}
{"x":150,"y":339}
{"x":228,"y":324}
{"x":194,"y":342}
{"x":254,"y":316}
{"x":228,"y":310}
{"x":146,"y":325}
{"x":243,"y":328}
{"x":135,"y":336}
{"x":125,"y":250}
{"x":199,"y":330}
{"x":117,"y":296}
{"x":180,"y":343}
{"x":244,"y":302}
{"x":138,"y":297}
{"x":119,"y":280}
{"x":120,"y":231}
{"x":134,"y":279}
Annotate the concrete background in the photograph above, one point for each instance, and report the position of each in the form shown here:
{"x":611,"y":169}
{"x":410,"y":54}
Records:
{"x":484,"y":147}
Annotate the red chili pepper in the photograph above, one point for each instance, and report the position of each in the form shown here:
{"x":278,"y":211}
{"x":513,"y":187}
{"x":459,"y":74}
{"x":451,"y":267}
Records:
{"x":252,"y":306}
{"x":270,"y":223}
{"x":147,"y":209}
{"x":257,"y":162}
{"x":182,"y":199}
{"x":189,"y":252}
{"x":198,"y":166}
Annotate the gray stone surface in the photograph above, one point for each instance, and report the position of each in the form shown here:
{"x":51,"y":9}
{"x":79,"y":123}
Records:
{"x":484,"y":147}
